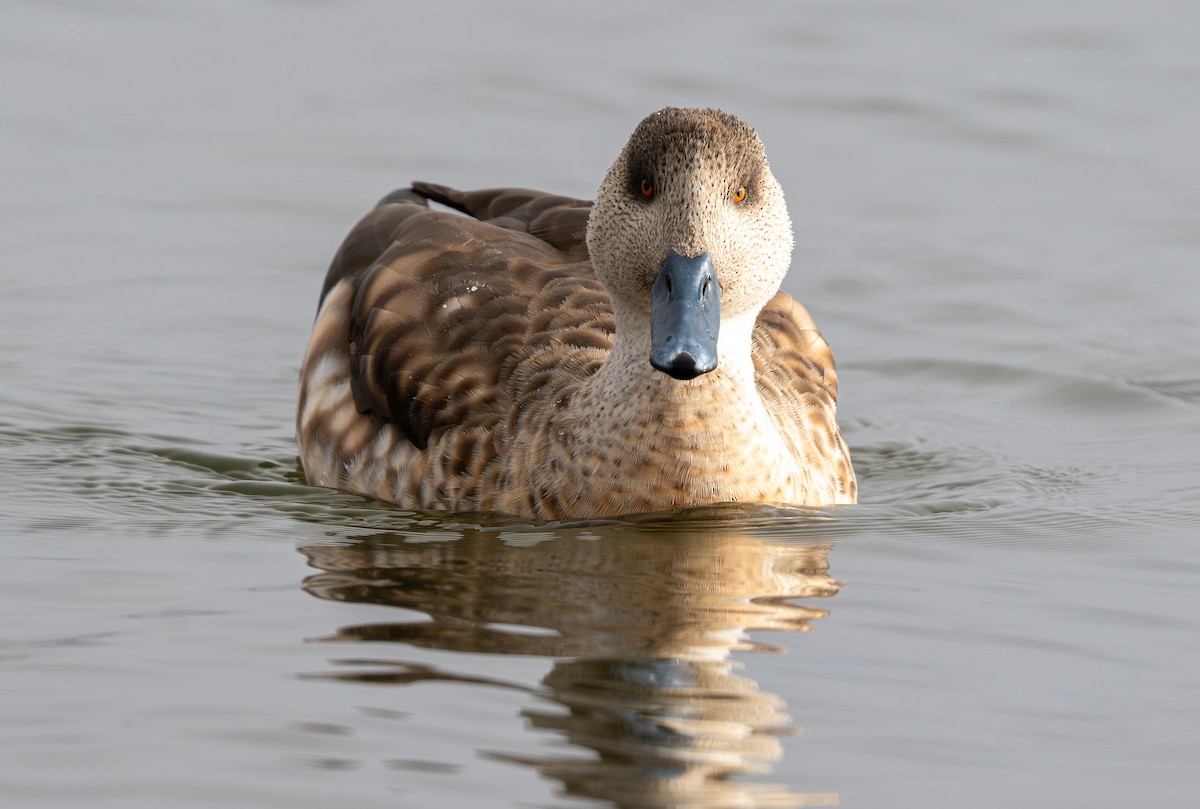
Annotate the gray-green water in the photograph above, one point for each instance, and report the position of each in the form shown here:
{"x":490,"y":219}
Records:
{"x":998,"y":223}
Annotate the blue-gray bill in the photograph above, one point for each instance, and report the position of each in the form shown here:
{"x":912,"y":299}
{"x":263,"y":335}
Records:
{"x":685,"y":316}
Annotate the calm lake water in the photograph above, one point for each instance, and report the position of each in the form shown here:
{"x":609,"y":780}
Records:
{"x":997,"y":210}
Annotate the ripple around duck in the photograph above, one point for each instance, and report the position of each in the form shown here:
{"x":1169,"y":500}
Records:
{"x":92,"y":474}
{"x":86,"y":475}
{"x":973,"y":492}
{"x":1033,"y":453}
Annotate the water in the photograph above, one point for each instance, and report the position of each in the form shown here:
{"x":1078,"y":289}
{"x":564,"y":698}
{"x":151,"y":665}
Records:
{"x":998,"y":221}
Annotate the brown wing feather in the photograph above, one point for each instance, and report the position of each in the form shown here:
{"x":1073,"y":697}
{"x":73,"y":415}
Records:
{"x":446,"y":328}
{"x":372,"y":235}
{"x":559,"y":221}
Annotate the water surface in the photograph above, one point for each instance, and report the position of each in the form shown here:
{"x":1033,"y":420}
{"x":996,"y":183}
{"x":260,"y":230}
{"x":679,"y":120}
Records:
{"x":997,"y":229}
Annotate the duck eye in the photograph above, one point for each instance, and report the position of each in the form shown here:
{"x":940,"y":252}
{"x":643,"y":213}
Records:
{"x":647,"y":188}
{"x":740,"y":194}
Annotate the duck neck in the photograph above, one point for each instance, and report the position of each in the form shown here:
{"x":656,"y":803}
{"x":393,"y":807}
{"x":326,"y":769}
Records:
{"x":628,"y":376}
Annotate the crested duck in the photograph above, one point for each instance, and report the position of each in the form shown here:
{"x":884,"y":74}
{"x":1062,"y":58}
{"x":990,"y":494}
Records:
{"x":549,"y":358}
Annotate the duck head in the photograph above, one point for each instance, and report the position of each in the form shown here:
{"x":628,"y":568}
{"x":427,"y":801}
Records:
{"x":690,"y":233}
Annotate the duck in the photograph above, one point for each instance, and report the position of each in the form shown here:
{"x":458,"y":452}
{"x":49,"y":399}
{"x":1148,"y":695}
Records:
{"x":518,"y":352}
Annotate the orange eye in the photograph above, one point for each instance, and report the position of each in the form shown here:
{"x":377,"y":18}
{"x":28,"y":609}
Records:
{"x":647,"y":188}
{"x":740,"y":194}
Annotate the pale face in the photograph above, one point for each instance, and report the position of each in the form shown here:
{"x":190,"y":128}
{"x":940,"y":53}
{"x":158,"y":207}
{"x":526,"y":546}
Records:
{"x":692,"y":181}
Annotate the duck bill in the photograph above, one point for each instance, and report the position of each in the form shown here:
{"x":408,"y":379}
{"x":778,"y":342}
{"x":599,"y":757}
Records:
{"x":685,"y":316}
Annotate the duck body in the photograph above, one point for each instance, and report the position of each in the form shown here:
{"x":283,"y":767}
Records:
{"x":550,"y":358}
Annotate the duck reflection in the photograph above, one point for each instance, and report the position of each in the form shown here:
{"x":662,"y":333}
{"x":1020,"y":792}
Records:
{"x":640,"y":621}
